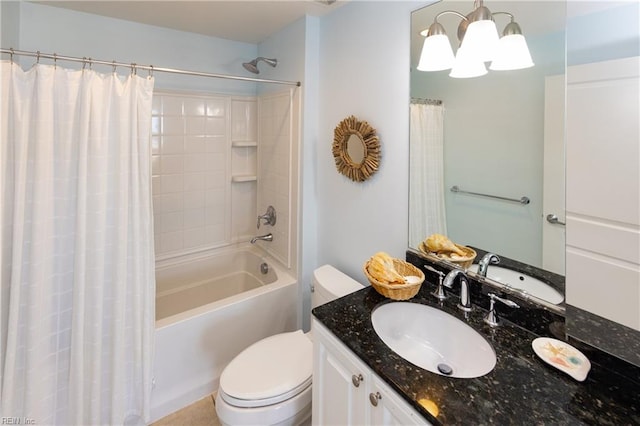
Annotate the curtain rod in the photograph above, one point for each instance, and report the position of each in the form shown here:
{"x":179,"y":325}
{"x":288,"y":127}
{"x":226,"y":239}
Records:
{"x":426,"y":101}
{"x":134,"y":67}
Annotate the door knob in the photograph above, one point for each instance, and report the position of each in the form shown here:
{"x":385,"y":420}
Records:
{"x":552,"y":218}
{"x":356,"y":380}
{"x":374,"y":398}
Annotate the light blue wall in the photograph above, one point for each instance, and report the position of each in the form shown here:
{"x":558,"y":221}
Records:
{"x":66,"y":32}
{"x":364,"y":71}
{"x":9,"y":24}
{"x":609,"y":34}
{"x":288,"y":47}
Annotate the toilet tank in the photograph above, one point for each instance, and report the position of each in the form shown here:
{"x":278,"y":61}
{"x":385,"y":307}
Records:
{"x":330,"y":284}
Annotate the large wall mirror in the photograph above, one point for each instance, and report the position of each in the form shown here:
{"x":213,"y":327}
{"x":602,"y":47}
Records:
{"x":500,"y":134}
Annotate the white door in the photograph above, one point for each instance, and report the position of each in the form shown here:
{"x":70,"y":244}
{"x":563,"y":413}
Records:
{"x":553,"y":203}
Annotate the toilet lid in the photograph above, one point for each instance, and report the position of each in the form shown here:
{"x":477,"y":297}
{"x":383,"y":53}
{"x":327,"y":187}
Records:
{"x":269,"y":371}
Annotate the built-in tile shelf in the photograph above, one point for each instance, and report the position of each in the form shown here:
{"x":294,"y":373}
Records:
{"x":244,"y":178}
{"x":244,"y":144}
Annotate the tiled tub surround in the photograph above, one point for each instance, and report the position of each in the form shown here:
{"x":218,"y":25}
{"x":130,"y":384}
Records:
{"x":521,"y":389}
{"x":190,"y":171}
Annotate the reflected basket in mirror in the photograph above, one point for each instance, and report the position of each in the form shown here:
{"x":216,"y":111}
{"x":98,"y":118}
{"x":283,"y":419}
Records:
{"x":463,"y":261}
{"x":397,"y":291}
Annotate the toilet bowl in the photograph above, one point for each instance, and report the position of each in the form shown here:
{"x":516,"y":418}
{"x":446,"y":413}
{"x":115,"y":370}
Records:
{"x":269,"y":383}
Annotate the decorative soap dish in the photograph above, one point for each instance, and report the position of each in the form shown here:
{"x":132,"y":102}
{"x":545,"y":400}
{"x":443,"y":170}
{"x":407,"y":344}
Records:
{"x":562,"y":356}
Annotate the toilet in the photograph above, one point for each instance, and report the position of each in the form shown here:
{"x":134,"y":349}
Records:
{"x":269,"y":383}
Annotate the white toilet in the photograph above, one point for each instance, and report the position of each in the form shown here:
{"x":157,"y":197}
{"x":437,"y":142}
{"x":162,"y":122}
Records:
{"x":269,"y":383}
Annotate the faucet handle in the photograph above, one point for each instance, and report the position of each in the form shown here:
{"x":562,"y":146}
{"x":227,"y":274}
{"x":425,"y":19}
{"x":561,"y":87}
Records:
{"x":269,"y":217}
{"x":438,"y":293}
{"x":492,"y":318}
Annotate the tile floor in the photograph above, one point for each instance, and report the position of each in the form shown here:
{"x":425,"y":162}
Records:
{"x":200,"y":413}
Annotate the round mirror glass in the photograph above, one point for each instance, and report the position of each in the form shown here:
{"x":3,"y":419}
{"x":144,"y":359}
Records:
{"x":356,"y":149}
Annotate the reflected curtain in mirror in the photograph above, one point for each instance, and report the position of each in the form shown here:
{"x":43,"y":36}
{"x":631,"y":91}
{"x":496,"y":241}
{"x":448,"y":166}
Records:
{"x":426,"y":200}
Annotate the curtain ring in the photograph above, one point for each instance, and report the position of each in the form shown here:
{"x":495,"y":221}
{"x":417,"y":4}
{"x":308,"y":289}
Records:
{"x":114,"y":66}
{"x":90,"y":64}
{"x":55,"y":61}
{"x":150,"y":71}
{"x":84,"y":63}
{"x":38,"y":57}
{"x":11,"y":54}
{"x":134,"y":69}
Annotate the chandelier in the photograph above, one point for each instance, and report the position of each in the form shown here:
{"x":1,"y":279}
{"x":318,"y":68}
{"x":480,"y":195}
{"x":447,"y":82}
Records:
{"x":479,"y":43}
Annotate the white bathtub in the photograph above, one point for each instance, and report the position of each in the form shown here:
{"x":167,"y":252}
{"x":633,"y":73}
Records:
{"x":208,"y":309}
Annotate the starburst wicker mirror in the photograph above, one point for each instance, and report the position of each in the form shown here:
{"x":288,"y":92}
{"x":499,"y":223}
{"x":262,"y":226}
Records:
{"x":356,"y":149}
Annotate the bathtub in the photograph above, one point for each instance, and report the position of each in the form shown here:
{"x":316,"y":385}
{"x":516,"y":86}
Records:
{"x":208,"y":309}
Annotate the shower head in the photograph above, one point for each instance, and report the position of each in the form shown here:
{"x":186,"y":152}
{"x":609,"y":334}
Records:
{"x":253,"y":65}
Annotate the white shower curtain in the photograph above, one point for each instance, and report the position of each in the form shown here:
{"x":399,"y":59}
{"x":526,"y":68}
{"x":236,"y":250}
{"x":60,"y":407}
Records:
{"x":426,"y":199}
{"x":78,"y":284}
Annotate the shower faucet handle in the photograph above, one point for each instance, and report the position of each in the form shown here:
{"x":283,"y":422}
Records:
{"x":269,"y":217}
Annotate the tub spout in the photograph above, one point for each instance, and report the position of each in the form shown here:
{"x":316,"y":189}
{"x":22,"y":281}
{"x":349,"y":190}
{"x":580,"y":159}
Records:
{"x":267,"y":237}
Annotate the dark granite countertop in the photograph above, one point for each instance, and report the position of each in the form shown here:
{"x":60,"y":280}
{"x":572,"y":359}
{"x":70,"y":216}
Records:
{"x":521,"y":389}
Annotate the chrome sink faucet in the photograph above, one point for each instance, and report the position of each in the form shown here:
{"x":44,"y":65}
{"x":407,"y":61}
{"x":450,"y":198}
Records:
{"x":483,"y":265}
{"x":267,"y":237}
{"x":465,"y":296}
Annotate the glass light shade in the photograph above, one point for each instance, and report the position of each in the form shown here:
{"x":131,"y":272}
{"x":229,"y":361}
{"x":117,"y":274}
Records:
{"x":512,"y":54}
{"x":481,"y":38}
{"x":437,"y":54}
{"x":467,"y":65}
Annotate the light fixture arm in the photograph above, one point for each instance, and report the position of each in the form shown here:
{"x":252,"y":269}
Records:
{"x":436,"y":28}
{"x":512,"y":27}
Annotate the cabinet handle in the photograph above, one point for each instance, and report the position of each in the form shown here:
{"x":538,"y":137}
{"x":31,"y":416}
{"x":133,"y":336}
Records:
{"x":357,"y":379}
{"x":374,"y":398}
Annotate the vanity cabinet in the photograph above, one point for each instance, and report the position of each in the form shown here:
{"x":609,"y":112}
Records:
{"x":347,"y":392}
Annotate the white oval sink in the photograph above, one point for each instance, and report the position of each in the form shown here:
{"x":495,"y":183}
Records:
{"x":433,"y":340}
{"x":521,"y":281}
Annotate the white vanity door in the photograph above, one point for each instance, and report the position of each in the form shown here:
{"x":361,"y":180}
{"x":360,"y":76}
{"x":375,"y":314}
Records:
{"x":390,"y":409}
{"x":347,"y":392}
{"x":339,"y":385}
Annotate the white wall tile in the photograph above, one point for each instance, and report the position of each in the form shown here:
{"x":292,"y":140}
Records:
{"x":173,"y":221}
{"x":195,"y":126}
{"x":194,"y":199}
{"x":172,"y":164}
{"x":194,"y":218}
{"x":194,"y":106}
{"x":172,"y":183}
{"x":215,"y":126}
{"x":216,"y":144}
{"x":216,"y":107}
{"x":194,"y":181}
{"x":195,"y":163}
{"x":155,"y":145}
{"x":195,"y":144}
{"x":173,"y":125}
{"x":171,"y":202}
{"x":172,"y":105}
{"x":194,"y":238}
{"x":172,"y":144}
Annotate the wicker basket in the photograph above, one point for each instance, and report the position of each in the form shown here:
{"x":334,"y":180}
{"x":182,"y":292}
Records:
{"x":464,"y":262}
{"x":397,"y":291}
